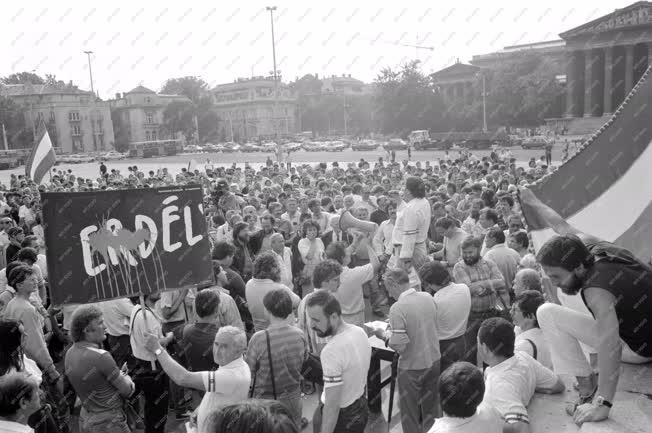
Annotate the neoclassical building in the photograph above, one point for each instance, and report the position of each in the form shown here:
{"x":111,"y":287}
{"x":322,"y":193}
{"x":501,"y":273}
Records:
{"x":598,"y":62}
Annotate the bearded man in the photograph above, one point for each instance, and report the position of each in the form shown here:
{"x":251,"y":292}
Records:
{"x":616,"y":287}
{"x":485,"y":282}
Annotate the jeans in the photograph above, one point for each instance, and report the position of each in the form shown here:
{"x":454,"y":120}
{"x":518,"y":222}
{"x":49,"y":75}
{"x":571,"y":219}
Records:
{"x":153,"y":385}
{"x":564,"y":329}
{"x":419,"y":398}
{"x":351,"y":419}
{"x":113,"y":421}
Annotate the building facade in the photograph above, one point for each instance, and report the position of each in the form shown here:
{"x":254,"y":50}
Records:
{"x":76,"y":120}
{"x":139,"y":115}
{"x":247,"y":109}
{"x":598,"y":62}
{"x":456,"y":83}
{"x":344,"y":85}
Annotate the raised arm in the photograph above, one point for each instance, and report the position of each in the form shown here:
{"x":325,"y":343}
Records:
{"x":177,"y":373}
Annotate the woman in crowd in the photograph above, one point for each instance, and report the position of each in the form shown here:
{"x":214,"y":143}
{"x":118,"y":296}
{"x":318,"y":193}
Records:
{"x":311,"y":249}
{"x":252,"y":416}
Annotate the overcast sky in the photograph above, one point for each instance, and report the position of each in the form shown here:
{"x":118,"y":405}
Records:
{"x":146,"y":43}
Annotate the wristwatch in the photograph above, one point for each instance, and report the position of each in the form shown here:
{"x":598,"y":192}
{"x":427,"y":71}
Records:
{"x":600,"y":401}
{"x":158,"y":351}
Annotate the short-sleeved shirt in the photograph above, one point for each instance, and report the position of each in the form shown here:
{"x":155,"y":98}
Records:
{"x":486,"y":420}
{"x":349,"y":293}
{"x":227,"y":385}
{"x":117,"y":316}
{"x":289,"y":350}
{"x":345,"y":362}
{"x":138,"y":329}
{"x":526,"y":342}
{"x":197,"y":343}
{"x":96,"y":378}
{"x":453,"y":306}
{"x":510,"y":385}
{"x":255,"y":290}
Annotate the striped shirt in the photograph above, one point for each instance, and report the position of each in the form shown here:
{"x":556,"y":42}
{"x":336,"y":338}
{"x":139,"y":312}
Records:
{"x":289,"y":351}
{"x":484,"y":271}
{"x":345,"y":361}
{"x":413,"y":330}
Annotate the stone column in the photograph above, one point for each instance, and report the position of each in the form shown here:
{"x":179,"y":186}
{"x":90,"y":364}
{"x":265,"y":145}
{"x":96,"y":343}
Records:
{"x":467,"y":93}
{"x":608,"y":80}
{"x":629,"y":68}
{"x":588,"y":82}
{"x":571,"y":84}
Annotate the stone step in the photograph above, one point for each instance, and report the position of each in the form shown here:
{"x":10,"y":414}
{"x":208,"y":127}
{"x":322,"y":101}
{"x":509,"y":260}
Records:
{"x":586,"y":125}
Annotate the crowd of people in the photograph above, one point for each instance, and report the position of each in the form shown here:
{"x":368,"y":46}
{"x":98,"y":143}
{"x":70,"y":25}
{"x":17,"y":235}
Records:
{"x":438,"y":250}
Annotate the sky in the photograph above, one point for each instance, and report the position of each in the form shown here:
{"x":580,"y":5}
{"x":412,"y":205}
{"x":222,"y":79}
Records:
{"x":142,"y":43}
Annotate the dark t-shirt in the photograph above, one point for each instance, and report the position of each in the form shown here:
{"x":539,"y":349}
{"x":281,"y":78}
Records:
{"x":617,"y":271}
{"x":11,"y":253}
{"x":378,"y":216}
{"x":197,"y":343}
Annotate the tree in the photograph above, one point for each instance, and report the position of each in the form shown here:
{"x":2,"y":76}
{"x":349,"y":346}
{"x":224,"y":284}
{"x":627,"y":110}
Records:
{"x":192,"y":87}
{"x":12,"y":116}
{"x":178,"y":117}
{"x":22,"y":78}
{"x":119,"y":131}
{"x":308,"y":92}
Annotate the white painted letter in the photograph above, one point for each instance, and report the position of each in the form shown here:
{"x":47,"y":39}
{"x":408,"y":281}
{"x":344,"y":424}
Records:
{"x":148,"y":223}
{"x":87,"y":253}
{"x":187,"y":218}
{"x":168,"y":218}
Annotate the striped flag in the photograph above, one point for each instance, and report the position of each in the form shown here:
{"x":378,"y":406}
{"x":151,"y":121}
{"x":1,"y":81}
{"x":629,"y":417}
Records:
{"x":605,"y":189}
{"x":42,"y":157}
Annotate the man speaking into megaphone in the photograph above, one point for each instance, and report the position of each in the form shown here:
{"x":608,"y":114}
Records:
{"x":411,"y":230}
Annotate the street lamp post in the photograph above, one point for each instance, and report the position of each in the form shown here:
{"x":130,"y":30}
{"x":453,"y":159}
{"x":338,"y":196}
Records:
{"x":271,"y":10}
{"x":484,"y":106}
{"x":90,"y":70}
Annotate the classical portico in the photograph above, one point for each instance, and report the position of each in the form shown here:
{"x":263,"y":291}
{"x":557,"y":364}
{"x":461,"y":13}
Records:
{"x":605,"y":58}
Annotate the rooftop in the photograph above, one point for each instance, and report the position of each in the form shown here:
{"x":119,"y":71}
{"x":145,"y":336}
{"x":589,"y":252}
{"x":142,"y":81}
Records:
{"x":39,"y":89}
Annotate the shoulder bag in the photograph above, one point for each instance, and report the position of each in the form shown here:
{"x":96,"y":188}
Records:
{"x":311,"y":369}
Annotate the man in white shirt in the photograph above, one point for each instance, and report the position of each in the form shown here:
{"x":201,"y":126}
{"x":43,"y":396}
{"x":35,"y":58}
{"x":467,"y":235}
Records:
{"x":224,"y":233}
{"x":530,"y":338}
{"x":505,"y":258}
{"x":117,"y":318}
{"x":411,"y":230}
{"x":228,"y":385}
{"x":461,"y":390}
{"x":451,"y":253}
{"x":284,"y":257}
{"x":453,"y":303}
{"x":350,"y":293}
{"x":382,"y":241}
{"x":147,"y":373}
{"x":512,"y":378}
{"x":345,"y":362}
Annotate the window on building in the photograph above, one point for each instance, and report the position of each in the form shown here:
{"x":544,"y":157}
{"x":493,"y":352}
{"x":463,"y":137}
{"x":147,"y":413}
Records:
{"x":73,"y":116}
{"x":101,"y":138}
{"x":76,"y":130}
{"x":153,"y":135}
{"x":149,"y":117}
{"x":148,"y":136}
{"x":148,"y":100}
{"x":52,"y":118}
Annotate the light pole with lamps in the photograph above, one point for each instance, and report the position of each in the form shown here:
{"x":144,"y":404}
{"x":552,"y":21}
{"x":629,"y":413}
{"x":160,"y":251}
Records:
{"x":484,"y":101}
{"x":271,"y":10}
{"x":90,"y":71}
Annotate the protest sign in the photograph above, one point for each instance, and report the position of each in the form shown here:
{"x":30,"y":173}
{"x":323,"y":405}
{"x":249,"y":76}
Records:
{"x":113,"y":244}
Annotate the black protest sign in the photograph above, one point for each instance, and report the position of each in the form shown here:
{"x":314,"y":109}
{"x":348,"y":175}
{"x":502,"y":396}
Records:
{"x":112,"y":244}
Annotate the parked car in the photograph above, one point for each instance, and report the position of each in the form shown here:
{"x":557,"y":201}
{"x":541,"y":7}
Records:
{"x":365,"y":145}
{"x":334,"y":146}
{"x":270,"y":146}
{"x":193,"y":148}
{"x":79,"y":158}
{"x":112,"y":156}
{"x":536,"y":142}
{"x":250,"y":147}
{"x":395,"y":144}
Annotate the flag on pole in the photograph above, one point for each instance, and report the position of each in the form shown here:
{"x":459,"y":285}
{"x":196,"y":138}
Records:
{"x":42,"y":157}
{"x":605,"y":189}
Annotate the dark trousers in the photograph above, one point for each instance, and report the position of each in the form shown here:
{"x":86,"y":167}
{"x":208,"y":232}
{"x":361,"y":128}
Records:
{"x":153,"y":386}
{"x":351,"y":419}
{"x":472,"y":328}
{"x":177,"y":393}
{"x":452,"y":350}
{"x":120,"y":348}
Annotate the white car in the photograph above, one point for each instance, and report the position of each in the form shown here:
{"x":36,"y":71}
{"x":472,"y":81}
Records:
{"x":112,"y":156}
{"x":193,"y":148}
{"x":80,"y":158}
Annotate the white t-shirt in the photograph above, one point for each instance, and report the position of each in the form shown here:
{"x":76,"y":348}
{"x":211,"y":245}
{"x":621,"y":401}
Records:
{"x":536,"y":336}
{"x":349,"y":293}
{"x":117,"y":316}
{"x":14,"y":427}
{"x":453,"y":307}
{"x":227,"y":385}
{"x":486,"y":420}
{"x":510,"y":385}
{"x":345,"y":361}
{"x":137,"y":332}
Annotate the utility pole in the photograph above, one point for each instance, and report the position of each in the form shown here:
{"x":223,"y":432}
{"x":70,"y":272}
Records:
{"x":484,"y":105}
{"x":344,"y":106}
{"x":271,"y":10}
{"x":4,"y":136}
{"x":90,"y":71}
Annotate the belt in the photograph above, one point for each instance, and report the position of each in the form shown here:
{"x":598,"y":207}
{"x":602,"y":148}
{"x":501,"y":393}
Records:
{"x":416,"y":243}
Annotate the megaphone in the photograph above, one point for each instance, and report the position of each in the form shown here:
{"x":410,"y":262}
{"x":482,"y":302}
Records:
{"x":348,"y":221}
